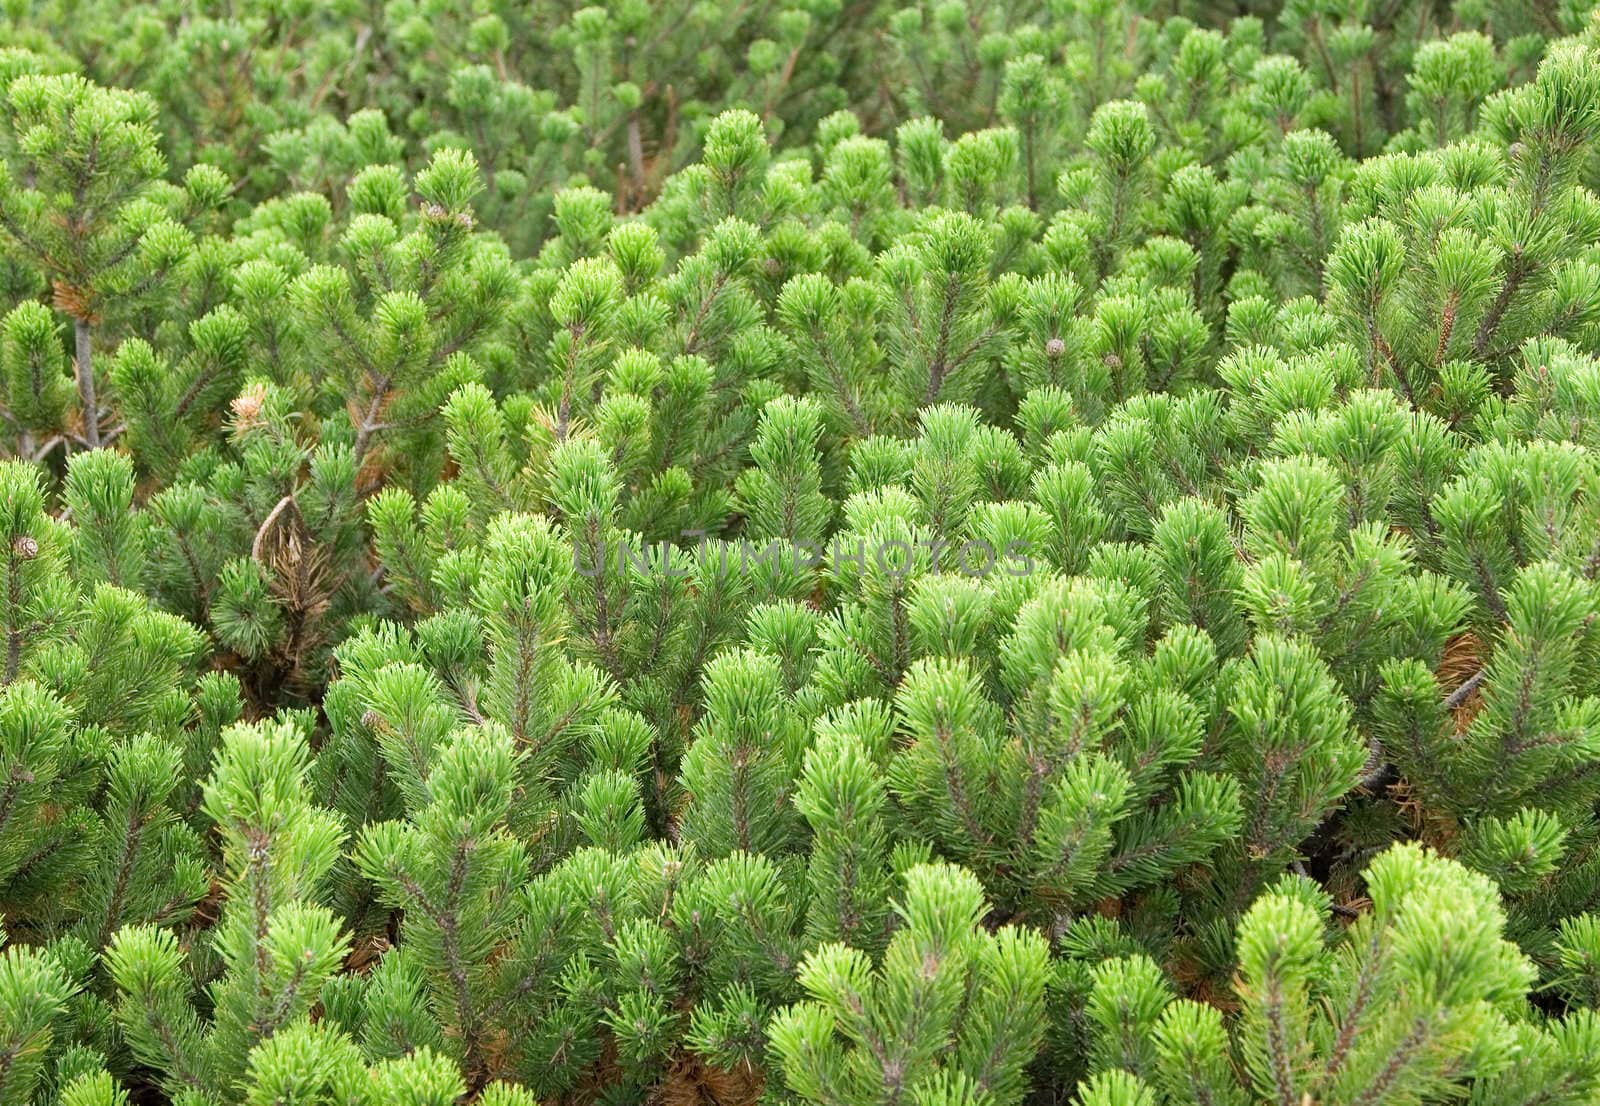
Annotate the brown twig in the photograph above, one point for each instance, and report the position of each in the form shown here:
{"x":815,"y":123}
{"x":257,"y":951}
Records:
{"x":266,"y":524}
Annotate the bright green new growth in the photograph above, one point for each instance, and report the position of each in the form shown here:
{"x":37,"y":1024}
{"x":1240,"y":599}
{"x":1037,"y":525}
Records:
{"x":950,"y":554}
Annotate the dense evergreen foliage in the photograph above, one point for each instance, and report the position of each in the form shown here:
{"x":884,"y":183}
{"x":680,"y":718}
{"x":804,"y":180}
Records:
{"x":959,"y":554}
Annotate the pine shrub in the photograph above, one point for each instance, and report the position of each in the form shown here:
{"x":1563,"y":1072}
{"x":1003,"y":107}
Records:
{"x":948,"y":554}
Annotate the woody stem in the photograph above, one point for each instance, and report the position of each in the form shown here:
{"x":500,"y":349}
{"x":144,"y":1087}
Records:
{"x":91,"y":406}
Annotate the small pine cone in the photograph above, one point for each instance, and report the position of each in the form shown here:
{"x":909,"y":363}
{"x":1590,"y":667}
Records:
{"x":371,"y":719}
{"x":247,"y":405}
{"x":1517,"y":150}
{"x":25,"y":547}
{"x":1054,"y":348}
{"x":1111,"y":361}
